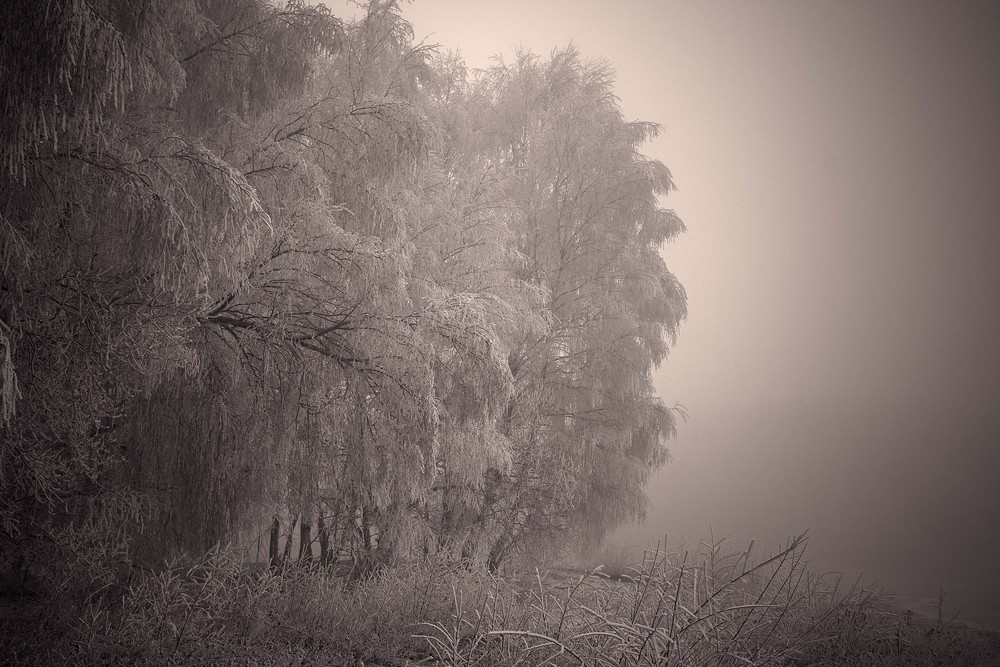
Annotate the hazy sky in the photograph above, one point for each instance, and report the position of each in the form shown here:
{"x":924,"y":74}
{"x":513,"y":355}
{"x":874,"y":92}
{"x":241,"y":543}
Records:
{"x":838,"y":167}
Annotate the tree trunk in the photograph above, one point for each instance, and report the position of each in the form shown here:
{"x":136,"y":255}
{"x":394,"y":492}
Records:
{"x":496,"y":557}
{"x":427,"y":545}
{"x":291,"y":536}
{"x":305,"y":539}
{"x":364,"y":533}
{"x":342,"y":535}
{"x":324,"y":540}
{"x":272,"y":545}
{"x":447,"y":520}
{"x":507,"y":540}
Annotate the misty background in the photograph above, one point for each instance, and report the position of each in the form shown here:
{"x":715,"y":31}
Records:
{"x":837,"y":165}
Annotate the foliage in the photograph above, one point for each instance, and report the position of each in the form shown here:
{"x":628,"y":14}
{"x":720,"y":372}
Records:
{"x":585,"y":426}
{"x":123,"y":219}
{"x":262,"y":268}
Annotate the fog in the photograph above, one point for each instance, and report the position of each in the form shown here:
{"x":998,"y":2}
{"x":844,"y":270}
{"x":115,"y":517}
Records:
{"x":837,"y":165}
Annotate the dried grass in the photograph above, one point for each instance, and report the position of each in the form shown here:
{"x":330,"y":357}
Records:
{"x":685,"y":609}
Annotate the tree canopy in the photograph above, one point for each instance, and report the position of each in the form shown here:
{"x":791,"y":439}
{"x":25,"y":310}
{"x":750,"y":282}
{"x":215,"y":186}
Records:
{"x":259,"y":263}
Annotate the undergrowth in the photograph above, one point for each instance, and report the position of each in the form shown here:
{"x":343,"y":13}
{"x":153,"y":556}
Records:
{"x":686,"y":609}
{"x":689,"y":609}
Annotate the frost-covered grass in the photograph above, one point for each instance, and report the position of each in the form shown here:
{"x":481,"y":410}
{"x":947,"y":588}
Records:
{"x":702,"y":607}
{"x":666,"y":609}
{"x":221,"y":611}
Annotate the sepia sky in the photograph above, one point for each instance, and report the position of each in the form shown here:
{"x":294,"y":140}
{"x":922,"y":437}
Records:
{"x":838,"y":166}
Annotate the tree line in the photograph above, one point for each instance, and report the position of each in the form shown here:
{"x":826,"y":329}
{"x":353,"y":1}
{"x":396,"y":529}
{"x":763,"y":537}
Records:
{"x":257,"y":263}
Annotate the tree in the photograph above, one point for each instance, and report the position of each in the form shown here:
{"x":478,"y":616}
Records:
{"x":589,"y":428}
{"x":257,"y":264}
{"x":312,"y":344}
{"x":121,"y":218}
{"x":464,"y":278}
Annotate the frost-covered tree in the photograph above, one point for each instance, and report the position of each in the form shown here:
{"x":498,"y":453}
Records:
{"x":587,"y":425}
{"x":124,"y":218}
{"x":261,"y":267}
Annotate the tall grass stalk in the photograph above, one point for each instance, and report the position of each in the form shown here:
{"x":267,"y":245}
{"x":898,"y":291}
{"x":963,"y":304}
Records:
{"x":684,"y":609}
{"x":681,"y":609}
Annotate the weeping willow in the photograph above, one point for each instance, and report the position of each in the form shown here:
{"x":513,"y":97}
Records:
{"x":260,"y":268}
{"x":121,"y":219}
